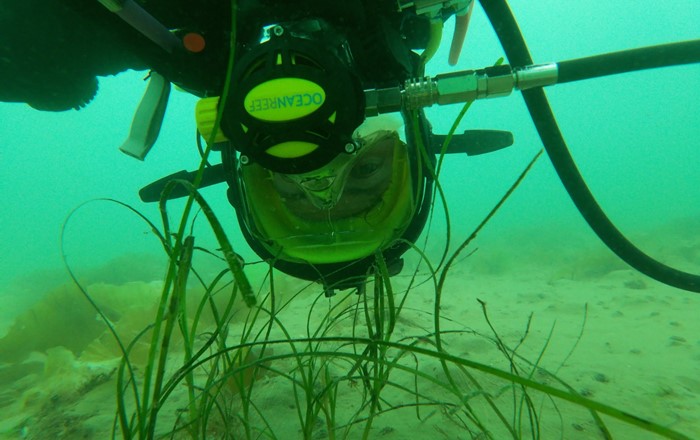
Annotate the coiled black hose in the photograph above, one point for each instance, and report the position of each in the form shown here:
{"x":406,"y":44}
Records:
{"x":516,"y":50}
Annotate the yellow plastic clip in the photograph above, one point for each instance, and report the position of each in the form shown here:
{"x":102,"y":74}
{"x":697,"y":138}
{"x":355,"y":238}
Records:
{"x":205,"y":114}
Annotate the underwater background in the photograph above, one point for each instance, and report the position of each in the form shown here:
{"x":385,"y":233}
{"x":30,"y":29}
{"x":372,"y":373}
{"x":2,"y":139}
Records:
{"x":635,"y":137}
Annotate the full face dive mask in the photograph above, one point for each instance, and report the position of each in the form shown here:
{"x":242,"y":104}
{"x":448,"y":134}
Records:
{"x":318,"y":190}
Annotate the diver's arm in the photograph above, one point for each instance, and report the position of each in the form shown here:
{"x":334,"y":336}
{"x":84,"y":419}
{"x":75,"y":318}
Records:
{"x":53,"y":51}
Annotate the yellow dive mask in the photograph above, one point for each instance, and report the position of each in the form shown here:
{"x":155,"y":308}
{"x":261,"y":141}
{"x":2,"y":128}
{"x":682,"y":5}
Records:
{"x":357,"y":204}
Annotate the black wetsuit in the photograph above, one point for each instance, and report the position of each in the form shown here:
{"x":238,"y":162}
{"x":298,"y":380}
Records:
{"x":52,"y":51}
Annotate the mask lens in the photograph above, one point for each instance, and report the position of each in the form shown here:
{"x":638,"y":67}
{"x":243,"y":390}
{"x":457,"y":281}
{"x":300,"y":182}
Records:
{"x":350,"y":187}
{"x":345,"y":211}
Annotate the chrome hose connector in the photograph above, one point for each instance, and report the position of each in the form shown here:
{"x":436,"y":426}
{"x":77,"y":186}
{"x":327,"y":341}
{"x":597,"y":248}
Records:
{"x":538,"y":75}
{"x":459,"y":87}
{"x":420,"y":92}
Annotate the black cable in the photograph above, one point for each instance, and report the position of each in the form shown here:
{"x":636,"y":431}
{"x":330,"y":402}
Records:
{"x":516,"y":50}
{"x":672,"y":54}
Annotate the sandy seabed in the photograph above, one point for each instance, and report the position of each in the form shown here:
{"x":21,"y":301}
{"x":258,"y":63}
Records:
{"x":610,"y":333}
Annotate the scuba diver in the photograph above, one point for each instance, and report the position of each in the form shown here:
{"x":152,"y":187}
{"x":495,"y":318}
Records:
{"x":316,"y":108}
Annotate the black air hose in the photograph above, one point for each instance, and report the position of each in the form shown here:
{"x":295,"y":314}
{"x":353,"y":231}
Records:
{"x":516,"y":50}
{"x":663,"y":55}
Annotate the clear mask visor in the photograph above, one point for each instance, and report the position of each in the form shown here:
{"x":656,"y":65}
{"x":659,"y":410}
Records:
{"x":344,"y":211}
{"x":323,"y":188}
